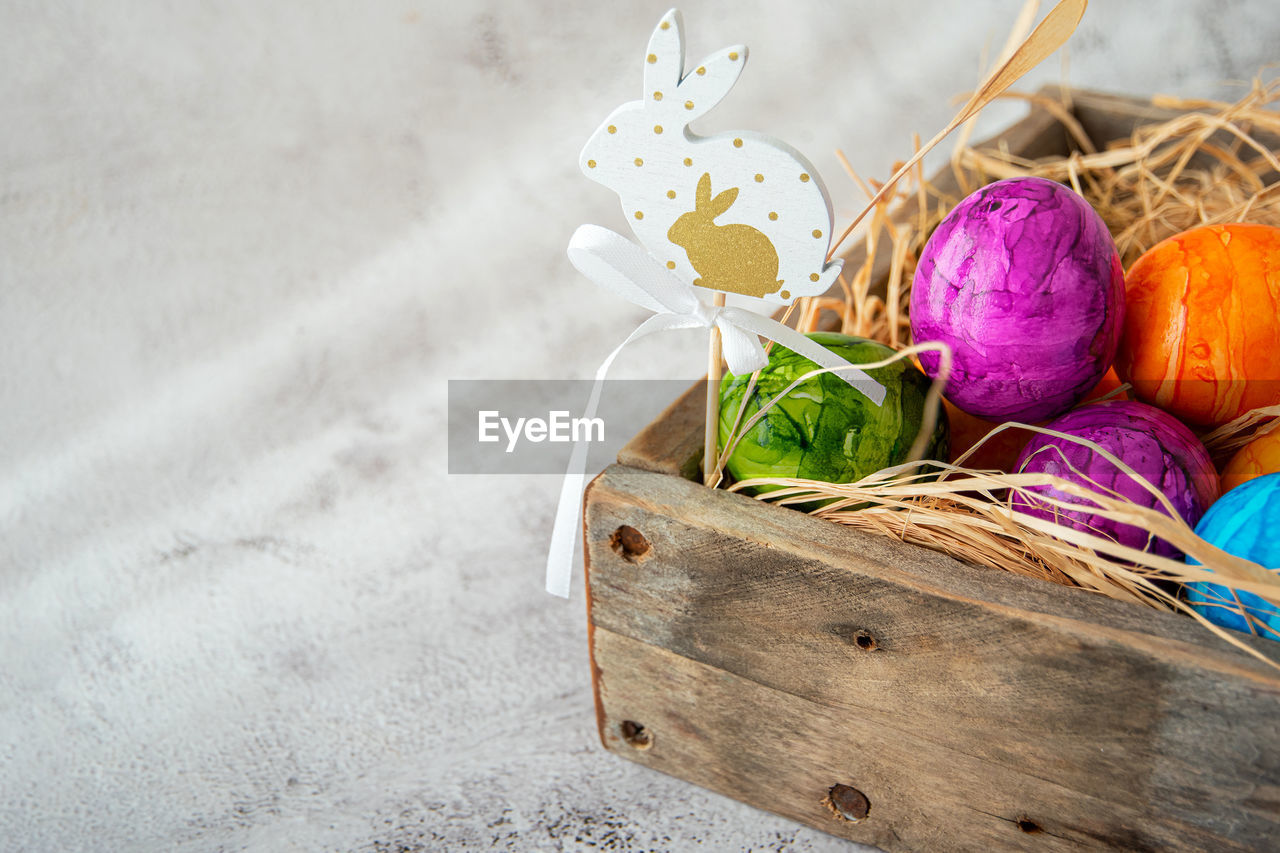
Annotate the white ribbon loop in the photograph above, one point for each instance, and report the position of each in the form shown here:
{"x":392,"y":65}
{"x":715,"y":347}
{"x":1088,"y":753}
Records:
{"x":616,"y":264}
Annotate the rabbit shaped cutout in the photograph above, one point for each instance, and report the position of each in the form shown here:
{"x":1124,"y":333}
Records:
{"x":737,"y":212}
{"x":735,"y":257}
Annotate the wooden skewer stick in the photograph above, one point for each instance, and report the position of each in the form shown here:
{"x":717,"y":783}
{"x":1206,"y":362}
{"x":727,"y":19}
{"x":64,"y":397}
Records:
{"x":710,"y":454}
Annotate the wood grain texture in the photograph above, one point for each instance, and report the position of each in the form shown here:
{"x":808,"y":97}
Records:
{"x":979,"y":698}
{"x":672,"y":443}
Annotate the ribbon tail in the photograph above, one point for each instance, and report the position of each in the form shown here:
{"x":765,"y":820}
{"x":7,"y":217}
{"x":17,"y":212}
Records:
{"x":564,"y":531}
{"x":742,"y":350}
{"x":798,"y":343}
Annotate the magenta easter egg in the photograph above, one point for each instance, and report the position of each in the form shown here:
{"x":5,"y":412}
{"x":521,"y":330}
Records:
{"x":1153,"y":443}
{"x":1023,"y":282}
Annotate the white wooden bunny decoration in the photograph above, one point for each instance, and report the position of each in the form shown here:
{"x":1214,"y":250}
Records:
{"x":737,"y":212}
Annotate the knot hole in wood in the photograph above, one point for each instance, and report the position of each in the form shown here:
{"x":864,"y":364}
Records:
{"x":636,"y":735}
{"x":629,"y":544}
{"x":847,"y":803}
{"x":865,"y":640}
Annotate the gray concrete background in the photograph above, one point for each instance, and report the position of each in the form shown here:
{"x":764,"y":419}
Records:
{"x":242,"y":248}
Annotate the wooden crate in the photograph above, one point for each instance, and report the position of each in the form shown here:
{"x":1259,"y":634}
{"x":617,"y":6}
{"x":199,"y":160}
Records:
{"x":888,"y":694}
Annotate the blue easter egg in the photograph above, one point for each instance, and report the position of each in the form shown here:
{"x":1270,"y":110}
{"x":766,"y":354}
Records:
{"x":1243,"y":522}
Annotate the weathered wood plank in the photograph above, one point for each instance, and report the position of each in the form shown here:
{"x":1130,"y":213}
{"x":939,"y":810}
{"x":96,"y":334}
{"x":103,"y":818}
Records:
{"x":784,"y":753}
{"x":1141,"y":711}
{"x":672,"y":443}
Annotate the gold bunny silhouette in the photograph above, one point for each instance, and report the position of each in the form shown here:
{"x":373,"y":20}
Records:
{"x":735,"y":258}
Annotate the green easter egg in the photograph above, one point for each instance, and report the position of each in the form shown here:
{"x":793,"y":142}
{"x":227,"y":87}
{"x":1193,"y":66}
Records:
{"x":824,"y":429}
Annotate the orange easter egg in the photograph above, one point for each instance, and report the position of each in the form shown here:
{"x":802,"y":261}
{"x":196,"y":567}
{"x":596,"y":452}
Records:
{"x":1258,"y":457}
{"x":1108,"y":383}
{"x":1202,"y":323}
{"x":999,"y":452}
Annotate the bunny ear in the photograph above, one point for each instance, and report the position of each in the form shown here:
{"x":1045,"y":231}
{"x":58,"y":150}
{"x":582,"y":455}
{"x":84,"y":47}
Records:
{"x":723,"y":201}
{"x":702,"y":198}
{"x":664,"y":58}
{"x":706,"y":85}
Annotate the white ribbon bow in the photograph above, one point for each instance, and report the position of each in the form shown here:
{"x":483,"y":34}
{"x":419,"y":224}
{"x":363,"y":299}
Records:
{"x":615,"y":263}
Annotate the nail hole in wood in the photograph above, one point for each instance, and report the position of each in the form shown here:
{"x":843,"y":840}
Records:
{"x":629,"y":544}
{"x":847,"y":803}
{"x":865,"y":641}
{"x":1029,"y":826}
{"x":636,"y":735}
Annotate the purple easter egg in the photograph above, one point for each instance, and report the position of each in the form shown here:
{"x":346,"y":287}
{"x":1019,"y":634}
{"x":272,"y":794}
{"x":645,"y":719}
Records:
{"x":1022,"y":280}
{"x":1151,"y":442}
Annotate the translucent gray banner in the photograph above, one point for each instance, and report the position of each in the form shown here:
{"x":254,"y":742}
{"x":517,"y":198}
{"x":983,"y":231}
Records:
{"x":518,"y":426}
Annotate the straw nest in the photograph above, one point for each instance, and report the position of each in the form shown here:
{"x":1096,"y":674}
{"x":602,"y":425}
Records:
{"x":1205,"y":164}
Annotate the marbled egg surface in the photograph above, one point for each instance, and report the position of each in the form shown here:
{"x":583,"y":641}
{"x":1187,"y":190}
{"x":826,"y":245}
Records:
{"x":1243,"y":523}
{"x":1151,"y":442}
{"x":1202,"y":329}
{"x":1022,"y":280}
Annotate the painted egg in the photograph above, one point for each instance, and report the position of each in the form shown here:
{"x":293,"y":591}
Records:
{"x":1202,"y":323}
{"x":1151,"y":442}
{"x":1022,"y":280}
{"x":1242,"y":523}
{"x":1108,"y":384}
{"x":823,"y":429}
{"x":1258,"y":457}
